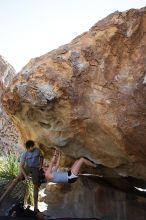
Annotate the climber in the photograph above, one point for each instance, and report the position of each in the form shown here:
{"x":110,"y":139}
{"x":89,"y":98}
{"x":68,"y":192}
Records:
{"x":30,"y":165}
{"x":54,"y":175}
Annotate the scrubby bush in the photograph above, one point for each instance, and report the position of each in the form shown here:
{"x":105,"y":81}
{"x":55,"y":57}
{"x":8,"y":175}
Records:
{"x":9,"y":169}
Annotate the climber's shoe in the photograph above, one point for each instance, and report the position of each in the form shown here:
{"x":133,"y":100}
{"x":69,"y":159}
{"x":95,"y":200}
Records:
{"x":89,"y":160}
{"x":99,"y":166}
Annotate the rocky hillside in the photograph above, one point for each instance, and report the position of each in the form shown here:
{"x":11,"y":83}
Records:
{"x":9,"y":139}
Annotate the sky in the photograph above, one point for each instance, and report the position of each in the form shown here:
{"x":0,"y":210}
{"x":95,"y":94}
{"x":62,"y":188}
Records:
{"x":31,"y":28}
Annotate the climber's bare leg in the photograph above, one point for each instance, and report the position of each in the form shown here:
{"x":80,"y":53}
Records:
{"x":78,"y":164}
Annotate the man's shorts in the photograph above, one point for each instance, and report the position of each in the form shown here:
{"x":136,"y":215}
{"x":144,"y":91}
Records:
{"x":34,"y":172}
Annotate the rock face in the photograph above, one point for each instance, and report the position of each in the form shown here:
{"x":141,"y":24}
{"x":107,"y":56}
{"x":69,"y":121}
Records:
{"x":90,"y":200}
{"x":9,"y":138}
{"x":88,"y":97}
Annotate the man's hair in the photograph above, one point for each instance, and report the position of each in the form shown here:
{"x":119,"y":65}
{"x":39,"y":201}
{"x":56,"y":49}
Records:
{"x":29,"y":144}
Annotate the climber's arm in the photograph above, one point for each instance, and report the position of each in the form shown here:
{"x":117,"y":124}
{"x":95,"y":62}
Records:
{"x":58,"y":156}
{"x":52,"y":162}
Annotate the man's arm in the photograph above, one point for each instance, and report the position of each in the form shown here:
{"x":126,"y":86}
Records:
{"x":22,"y":169}
{"x":22,"y":166}
{"x":41,"y":160}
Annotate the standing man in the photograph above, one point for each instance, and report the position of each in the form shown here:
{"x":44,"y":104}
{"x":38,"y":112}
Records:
{"x":30,"y":165}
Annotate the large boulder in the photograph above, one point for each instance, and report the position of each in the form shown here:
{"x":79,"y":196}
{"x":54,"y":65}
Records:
{"x":88,"y":97}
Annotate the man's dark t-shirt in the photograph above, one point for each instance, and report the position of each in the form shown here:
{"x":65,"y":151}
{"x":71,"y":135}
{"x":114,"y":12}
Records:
{"x":31,"y":158}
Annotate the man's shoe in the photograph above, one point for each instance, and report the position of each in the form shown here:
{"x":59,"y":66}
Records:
{"x":36,"y":211}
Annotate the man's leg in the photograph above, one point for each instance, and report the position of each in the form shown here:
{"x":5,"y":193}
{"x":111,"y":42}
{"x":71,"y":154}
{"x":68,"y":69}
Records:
{"x":11,"y":186}
{"x":35,"y":173}
{"x":35,"y":195}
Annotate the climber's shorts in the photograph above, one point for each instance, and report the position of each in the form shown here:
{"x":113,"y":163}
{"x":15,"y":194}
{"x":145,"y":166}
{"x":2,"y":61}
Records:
{"x":72,"y":177}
